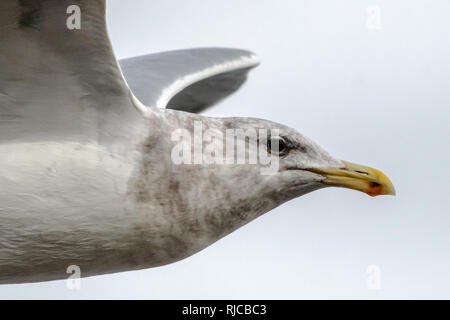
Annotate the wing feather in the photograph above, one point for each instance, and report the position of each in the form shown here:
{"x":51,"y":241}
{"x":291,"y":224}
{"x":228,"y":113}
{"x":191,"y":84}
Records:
{"x":55,"y":81}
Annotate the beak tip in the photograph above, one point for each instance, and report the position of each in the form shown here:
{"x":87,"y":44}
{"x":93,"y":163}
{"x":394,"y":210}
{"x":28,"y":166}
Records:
{"x":384,"y":189}
{"x":389,"y":188}
{"x":392,"y":192}
{"x":381,"y":184}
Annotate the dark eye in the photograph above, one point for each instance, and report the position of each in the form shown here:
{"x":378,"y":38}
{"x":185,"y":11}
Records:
{"x":277,"y":145}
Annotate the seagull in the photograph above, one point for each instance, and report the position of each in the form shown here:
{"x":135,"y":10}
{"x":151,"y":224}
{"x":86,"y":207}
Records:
{"x":87,"y":170}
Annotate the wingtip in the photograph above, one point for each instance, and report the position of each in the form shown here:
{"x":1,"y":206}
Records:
{"x":255,"y":58}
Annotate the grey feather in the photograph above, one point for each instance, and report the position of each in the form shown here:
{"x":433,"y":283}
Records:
{"x":56,"y":82}
{"x":188,"y":80}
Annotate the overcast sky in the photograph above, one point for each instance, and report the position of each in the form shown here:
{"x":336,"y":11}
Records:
{"x":367,"y":80}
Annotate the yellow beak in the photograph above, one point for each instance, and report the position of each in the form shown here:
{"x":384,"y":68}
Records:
{"x":358,"y":177}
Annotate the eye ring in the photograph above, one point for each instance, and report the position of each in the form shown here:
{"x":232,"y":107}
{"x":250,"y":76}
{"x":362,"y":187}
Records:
{"x":277,"y":145}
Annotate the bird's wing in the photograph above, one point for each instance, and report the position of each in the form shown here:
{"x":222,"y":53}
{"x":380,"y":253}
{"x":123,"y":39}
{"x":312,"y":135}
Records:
{"x":58,"y":80}
{"x":189,"y":80}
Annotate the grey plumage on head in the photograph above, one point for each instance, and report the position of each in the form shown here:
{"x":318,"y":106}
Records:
{"x":30,"y":13}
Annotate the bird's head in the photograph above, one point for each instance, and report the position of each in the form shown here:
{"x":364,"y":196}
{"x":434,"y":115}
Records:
{"x":224,"y":172}
{"x":297,"y":165}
